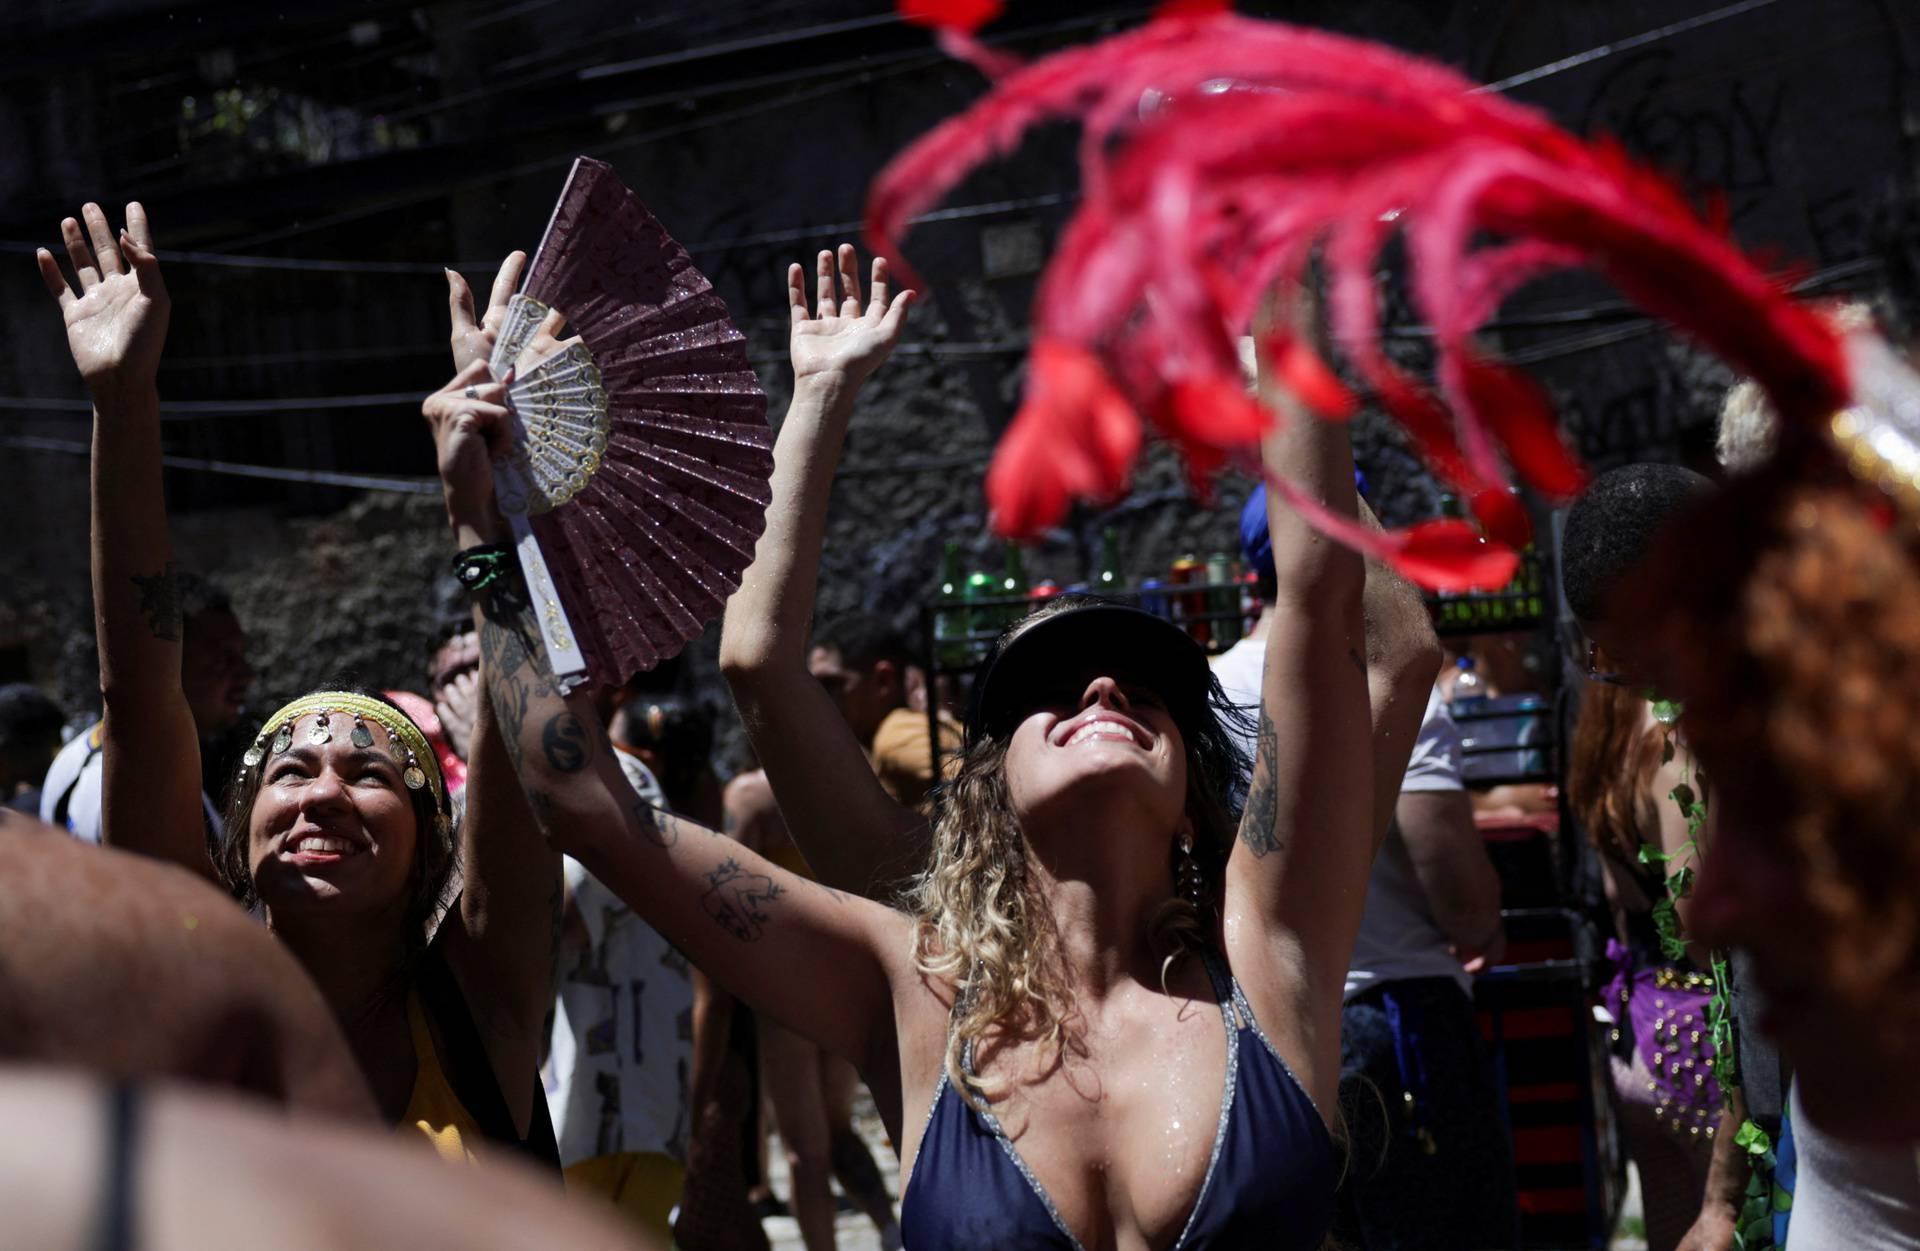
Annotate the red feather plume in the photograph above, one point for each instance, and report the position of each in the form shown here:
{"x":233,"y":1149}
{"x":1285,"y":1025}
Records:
{"x":1269,"y":141}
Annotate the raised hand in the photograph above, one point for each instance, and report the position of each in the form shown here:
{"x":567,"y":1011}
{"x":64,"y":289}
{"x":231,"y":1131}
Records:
{"x":117,"y":324}
{"x":472,"y":338}
{"x":468,"y":418}
{"x":842,"y":341}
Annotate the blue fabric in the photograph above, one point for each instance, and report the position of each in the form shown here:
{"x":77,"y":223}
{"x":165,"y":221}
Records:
{"x":1786,"y":1163}
{"x":1256,"y":545}
{"x":1270,"y":1184}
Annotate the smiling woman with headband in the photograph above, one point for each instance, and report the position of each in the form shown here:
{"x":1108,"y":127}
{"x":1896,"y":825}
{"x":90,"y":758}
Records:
{"x":338,"y":827}
{"x":1054,"y":1078}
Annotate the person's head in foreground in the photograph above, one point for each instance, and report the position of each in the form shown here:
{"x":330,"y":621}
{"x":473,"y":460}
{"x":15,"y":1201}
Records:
{"x":1609,"y":533}
{"x":339,"y":815}
{"x":126,"y":967}
{"x":160,"y":1167}
{"x":1786,"y":614}
{"x":1088,"y":715}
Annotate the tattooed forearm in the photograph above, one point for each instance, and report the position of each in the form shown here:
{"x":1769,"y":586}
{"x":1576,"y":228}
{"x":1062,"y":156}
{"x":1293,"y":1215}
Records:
{"x":737,"y":900}
{"x":160,"y":603}
{"x":1262,"y":813}
{"x":656,"y":827}
{"x":564,"y":740}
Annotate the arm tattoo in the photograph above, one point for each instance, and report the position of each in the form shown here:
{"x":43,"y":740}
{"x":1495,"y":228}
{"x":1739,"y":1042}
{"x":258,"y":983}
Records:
{"x":564,"y":741}
{"x":1263,"y":800}
{"x":736,"y":900}
{"x":160,"y":602}
{"x":661,"y":833}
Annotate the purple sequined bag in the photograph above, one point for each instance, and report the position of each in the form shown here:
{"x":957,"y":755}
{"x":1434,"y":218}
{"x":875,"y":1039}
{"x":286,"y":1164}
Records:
{"x":1665,"y":1009}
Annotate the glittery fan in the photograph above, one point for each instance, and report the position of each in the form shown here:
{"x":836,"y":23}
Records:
{"x":1218,"y":154}
{"x":637,"y":483}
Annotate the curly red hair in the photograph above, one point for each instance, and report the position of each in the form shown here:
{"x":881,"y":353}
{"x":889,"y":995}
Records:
{"x":1788,"y":618}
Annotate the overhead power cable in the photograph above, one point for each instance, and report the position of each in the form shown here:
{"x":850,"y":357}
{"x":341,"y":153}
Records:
{"x":186,"y":410}
{"x":271,"y":473}
{"x":1628,"y":44}
{"x":954,"y":213}
{"x":1629,"y":319}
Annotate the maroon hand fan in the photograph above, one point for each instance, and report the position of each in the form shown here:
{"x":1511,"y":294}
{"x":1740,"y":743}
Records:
{"x":637,"y":483}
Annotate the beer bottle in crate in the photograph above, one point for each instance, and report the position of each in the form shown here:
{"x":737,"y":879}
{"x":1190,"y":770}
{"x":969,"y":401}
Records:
{"x":1223,"y":599}
{"x":1190,"y":607}
{"x":1013,"y":586}
{"x":982,"y":620}
{"x":949,"y":611}
{"x":1108,"y":579}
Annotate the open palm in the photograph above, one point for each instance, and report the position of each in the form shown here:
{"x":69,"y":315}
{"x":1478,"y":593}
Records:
{"x":117,"y":324}
{"x":843,"y":338}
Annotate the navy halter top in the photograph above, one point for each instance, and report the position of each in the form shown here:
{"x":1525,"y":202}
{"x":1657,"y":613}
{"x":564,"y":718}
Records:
{"x":1269,"y":1180}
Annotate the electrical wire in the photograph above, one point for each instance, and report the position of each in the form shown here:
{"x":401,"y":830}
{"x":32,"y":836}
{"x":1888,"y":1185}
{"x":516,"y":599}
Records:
{"x":1628,"y":44}
{"x":959,"y":212}
{"x":1631,"y":321}
{"x":271,"y":473}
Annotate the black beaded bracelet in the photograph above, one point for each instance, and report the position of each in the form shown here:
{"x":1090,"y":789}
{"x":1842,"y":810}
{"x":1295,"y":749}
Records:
{"x":477,"y":568}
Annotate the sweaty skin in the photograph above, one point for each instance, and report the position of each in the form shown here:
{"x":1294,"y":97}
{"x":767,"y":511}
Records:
{"x":127,"y":967}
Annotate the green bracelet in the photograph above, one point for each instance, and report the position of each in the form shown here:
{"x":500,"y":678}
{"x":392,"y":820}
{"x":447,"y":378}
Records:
{"x":480,"y":567}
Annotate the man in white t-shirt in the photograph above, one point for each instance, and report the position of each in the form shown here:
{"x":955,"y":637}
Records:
{"x":618,"y":1070}
{"x":1431,"y":1164}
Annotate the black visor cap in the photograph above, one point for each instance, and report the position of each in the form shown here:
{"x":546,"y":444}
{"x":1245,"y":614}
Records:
{"x":1126,"y":643}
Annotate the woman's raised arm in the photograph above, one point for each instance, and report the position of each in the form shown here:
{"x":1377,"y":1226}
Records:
{"x":854,"y":836}
{"x":823,"y":962}
{"x":116,"y":327}
{"x":1334,"y":720}
{"x":500,"y":938}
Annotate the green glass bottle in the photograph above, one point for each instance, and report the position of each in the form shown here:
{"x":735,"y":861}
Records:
{"x":1223,"y":599}
{"x":1013,"y":586}
{"x":1108,"y":580}
{"x":982,"y":623}
{"x":949,"y":614}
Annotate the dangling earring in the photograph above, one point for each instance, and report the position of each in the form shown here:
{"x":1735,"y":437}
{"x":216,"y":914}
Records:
{"x":1189,"y":883}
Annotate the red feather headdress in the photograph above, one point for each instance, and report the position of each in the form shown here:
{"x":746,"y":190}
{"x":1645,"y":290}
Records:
{"x":1270,"y":141}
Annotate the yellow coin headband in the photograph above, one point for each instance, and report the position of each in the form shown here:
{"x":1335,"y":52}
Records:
{"x":422,"y":767}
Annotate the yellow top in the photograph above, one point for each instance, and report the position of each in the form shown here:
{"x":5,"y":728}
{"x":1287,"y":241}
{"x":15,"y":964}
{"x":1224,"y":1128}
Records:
{"x":433,"y":1109}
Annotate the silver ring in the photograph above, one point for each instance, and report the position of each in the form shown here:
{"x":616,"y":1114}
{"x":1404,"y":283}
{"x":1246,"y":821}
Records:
{"x":472,"y":392}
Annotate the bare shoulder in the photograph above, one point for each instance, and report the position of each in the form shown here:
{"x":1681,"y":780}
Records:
{"x":749,"y":793}
{"x":124,"y":963}
{"x":750,"y":813}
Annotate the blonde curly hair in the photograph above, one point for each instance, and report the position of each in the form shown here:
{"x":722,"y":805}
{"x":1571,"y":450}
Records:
{"x":982,"y":922}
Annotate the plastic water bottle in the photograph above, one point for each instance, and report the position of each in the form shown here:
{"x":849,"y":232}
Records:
{"x":1469,"y":688}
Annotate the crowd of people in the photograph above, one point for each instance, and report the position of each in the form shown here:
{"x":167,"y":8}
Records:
{"x":1169,"y":950}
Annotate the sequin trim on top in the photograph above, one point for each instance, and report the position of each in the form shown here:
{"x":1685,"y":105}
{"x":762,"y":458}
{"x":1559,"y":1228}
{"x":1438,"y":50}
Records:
{"x":1229,"y":1088}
